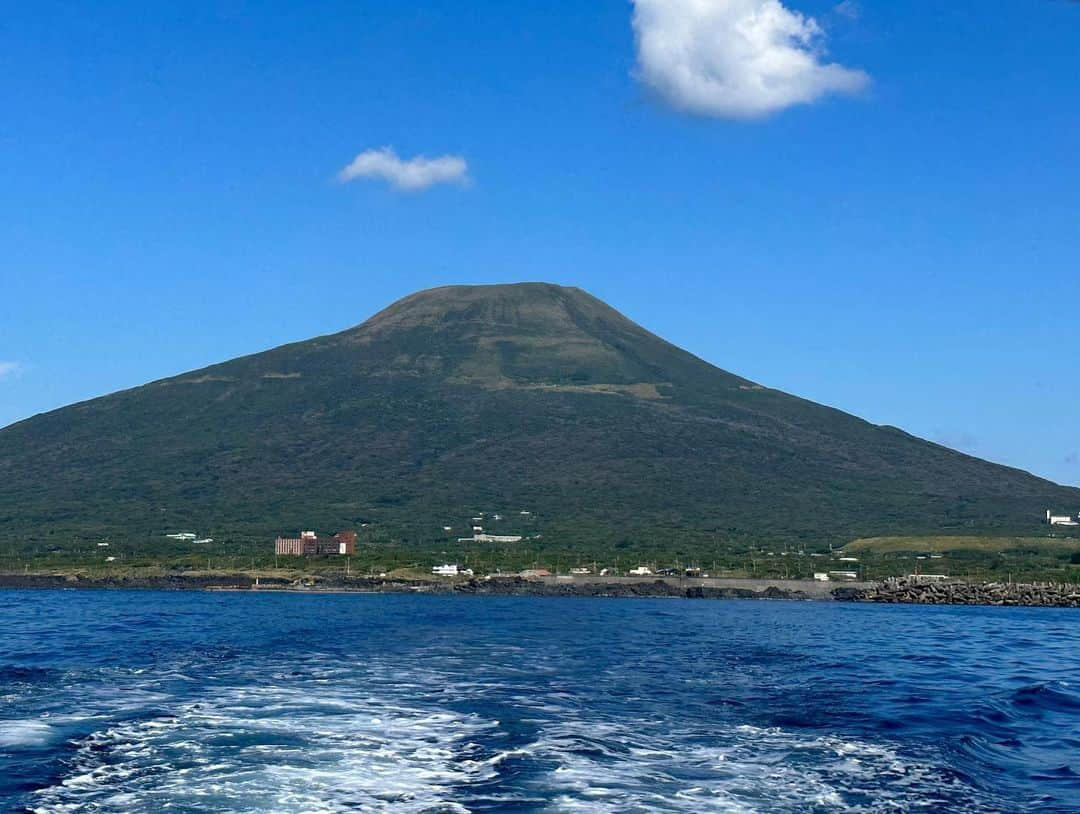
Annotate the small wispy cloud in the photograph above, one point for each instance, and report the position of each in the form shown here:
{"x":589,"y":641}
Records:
{"x":9,"y":369}
{"x":736,"y":59}
{"x":411,"y":174}
{"x":848,"y":8}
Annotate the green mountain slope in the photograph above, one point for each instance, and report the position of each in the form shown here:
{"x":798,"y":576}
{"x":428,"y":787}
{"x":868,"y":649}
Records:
{"x":527,"y":397}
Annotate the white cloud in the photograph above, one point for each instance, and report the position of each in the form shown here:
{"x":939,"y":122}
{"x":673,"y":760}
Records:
{"x":738,"y":59}
{"x":411,"y":174}
{"x":848,"y":8}
{"x":9,"y":369}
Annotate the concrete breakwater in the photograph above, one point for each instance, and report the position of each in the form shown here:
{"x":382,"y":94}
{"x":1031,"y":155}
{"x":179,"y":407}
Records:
{"x":921,"y":592}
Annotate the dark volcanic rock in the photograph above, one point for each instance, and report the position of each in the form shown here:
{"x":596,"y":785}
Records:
{"x":921,"y":592}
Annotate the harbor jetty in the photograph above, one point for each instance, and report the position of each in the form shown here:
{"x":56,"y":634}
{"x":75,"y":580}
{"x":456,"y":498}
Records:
{"x":914,"y":591}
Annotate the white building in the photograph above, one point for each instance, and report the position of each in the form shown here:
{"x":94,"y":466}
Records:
{"x":480,"y":537}
{"x":821,"y":576}
{"x":850,"y":576}
{"x":1060,"y":519}
{"x":640,"y":571}
{"x":451,"y":571}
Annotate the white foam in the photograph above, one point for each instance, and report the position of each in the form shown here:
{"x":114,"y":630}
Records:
{"x":277,"y":749}
{"x":373,"y":737}
{"x":14,"y":734}
{"x":749,"y":769}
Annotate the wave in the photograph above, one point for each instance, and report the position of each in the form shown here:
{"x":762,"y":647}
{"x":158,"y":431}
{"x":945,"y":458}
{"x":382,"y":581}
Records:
{"x":252,"y":748}
{"x":19,"y":734}
{"x":1050,"y":696}
{"x":278,"y":749}
{"x":231,"y":712}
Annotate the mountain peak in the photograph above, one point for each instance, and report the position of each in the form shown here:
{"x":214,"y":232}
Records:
{"x":522,"y":334}
{"x":537,"y":306}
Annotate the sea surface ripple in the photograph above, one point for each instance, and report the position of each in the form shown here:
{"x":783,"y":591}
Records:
{"x":116,"y":701}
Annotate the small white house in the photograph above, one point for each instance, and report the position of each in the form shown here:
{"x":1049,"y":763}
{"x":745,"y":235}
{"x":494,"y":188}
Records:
{"x":821,"y":576}
{"x":1060,"y":519}
{"x":640,"y":571}
{"x":480,"y":537}
{"x":849,"y":576}
{"x":445,"y":570}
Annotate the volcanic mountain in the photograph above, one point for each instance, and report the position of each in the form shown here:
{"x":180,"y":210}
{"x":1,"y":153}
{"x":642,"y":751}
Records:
{"x":520,"y":398}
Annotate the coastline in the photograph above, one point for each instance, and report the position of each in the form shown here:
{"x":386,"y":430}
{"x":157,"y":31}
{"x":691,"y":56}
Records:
{"x":614,"y":587}
{"x":895,"y":591}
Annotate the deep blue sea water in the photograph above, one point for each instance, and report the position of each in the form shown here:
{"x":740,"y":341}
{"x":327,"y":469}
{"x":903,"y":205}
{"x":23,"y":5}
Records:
{"x":117,"y":701}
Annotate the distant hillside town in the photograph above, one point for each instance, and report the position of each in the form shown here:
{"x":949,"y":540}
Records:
{"x":309,"y":544}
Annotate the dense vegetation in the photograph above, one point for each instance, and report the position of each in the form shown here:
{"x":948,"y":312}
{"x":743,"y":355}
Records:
{"x":496,"y":399}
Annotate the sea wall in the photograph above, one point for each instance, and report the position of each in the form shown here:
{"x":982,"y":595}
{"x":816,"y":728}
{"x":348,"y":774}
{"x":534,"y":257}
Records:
{"x":592,"y":586}
{"x":907,"y":591}
{"x":919,"y":592}
{"x":165,"y":582}
{"x":622,"y":587}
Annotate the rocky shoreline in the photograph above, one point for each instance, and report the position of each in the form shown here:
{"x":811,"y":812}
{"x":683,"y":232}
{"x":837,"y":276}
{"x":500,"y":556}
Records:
{"x":500,"y":586}
{"x":921,"y":592}
{"x":892,"y":591}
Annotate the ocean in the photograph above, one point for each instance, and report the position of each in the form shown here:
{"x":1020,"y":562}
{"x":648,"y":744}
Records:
{"x":128,"y":701}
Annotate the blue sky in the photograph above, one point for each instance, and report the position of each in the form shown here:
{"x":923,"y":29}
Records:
{"x":873,"y":205}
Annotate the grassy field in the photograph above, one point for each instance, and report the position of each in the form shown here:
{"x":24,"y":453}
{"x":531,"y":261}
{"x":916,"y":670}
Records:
{"x":942,"y":545}
{"x":990,"y":558}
